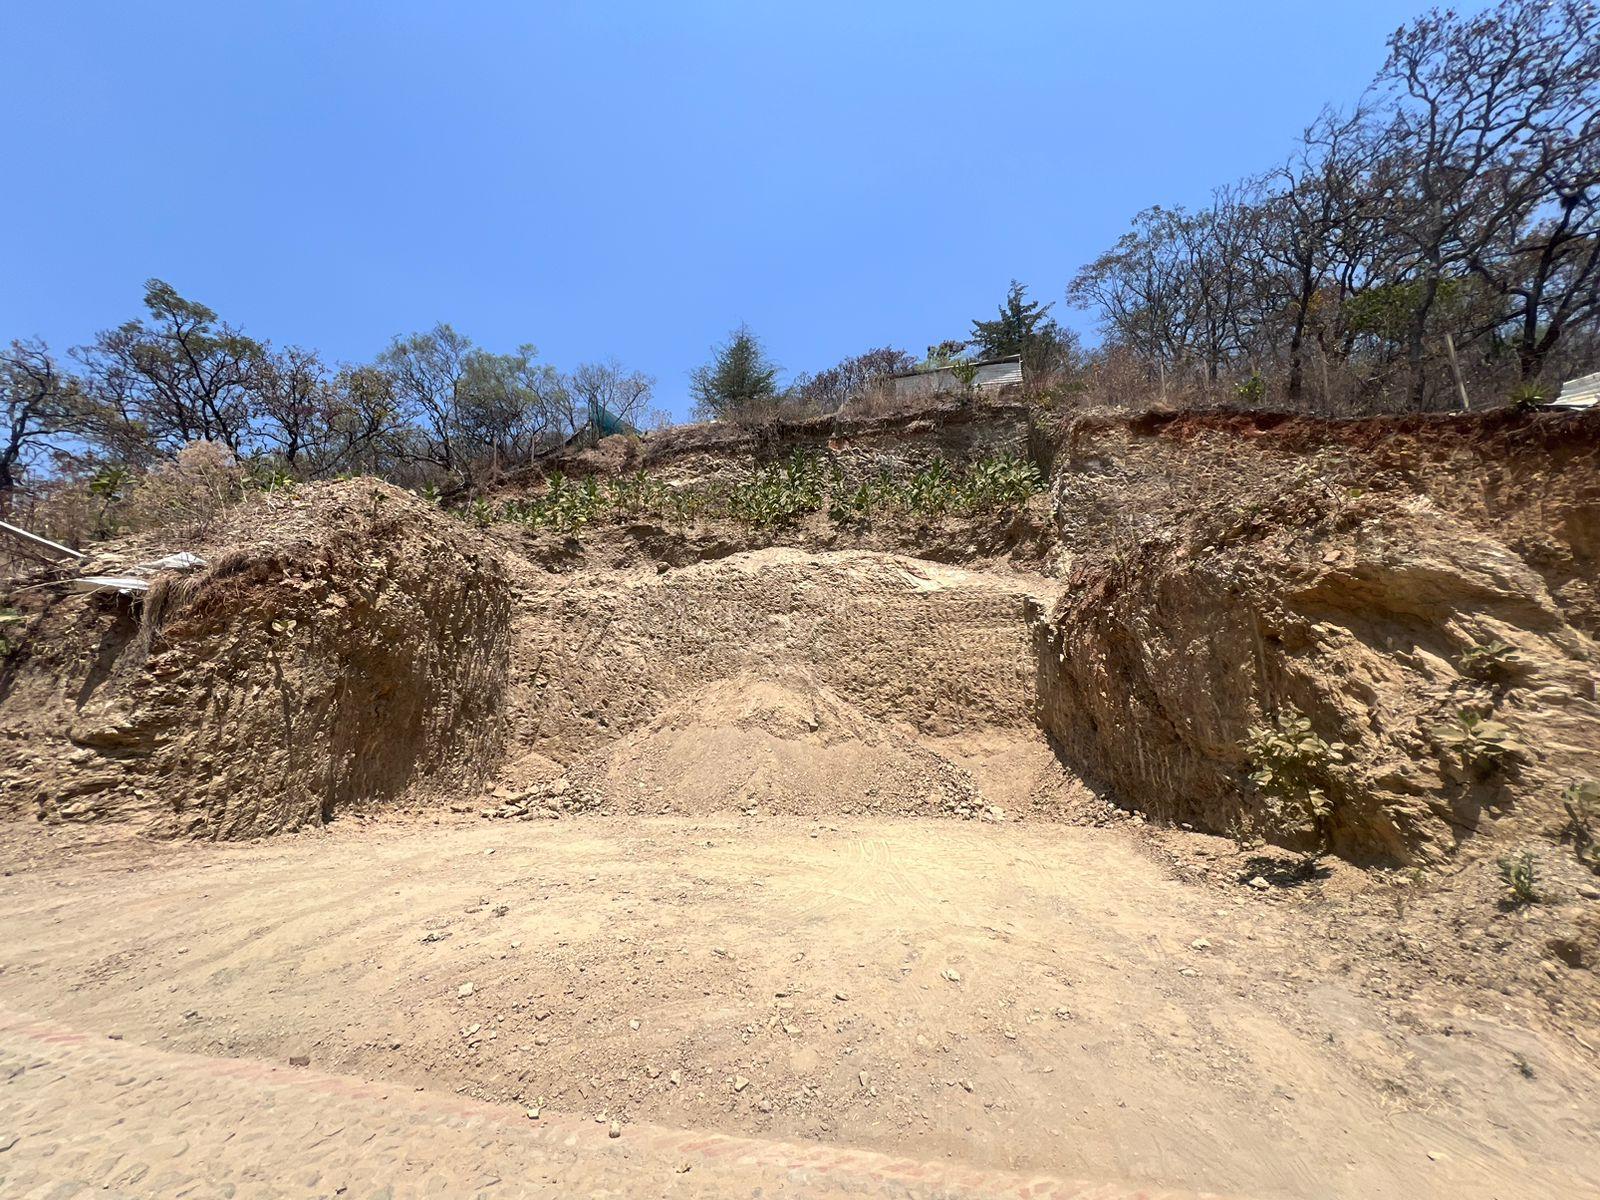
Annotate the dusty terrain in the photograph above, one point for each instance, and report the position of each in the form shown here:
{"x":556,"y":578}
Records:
{"x":1033,"y":996}
{"x":899,"y":835}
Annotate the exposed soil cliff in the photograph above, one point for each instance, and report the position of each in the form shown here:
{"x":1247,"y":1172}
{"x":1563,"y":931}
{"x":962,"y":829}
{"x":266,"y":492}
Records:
{"x":342,"y":647}
{"x":1223,"y":569}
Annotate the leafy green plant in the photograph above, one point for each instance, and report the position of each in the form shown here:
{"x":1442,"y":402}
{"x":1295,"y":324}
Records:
{"x":1482,"y":743}
{"x":268,"y":479}
{"x":1581,"y":799}
{"x":1520,"y":875}
{"x":1294,"y":768}
{"x":1526,"y":397}
{"x":965,"y":373}
{"x":1489,"y":661}
{"x":481,"y":513}
{"x":429,"y":492}
{"x":1251,"y":391}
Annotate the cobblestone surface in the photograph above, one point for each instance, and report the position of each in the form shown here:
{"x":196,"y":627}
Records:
{"x":82,"y":1114}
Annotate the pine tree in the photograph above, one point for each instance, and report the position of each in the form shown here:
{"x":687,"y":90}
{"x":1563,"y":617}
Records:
{"x":1023,"y":327}
{"x":738,"y":378}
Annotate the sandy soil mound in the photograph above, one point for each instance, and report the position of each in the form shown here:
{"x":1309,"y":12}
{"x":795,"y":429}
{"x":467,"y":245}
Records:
{"x":938,"y":650}
{"x":777,"y":745}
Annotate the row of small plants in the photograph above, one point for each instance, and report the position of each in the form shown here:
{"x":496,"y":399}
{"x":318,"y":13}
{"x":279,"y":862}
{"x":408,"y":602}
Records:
{"x":777,"y":494}
{"x":1296,"y":773}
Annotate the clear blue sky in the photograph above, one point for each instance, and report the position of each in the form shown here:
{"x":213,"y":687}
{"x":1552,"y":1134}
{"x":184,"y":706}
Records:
{"x":626,"y":179}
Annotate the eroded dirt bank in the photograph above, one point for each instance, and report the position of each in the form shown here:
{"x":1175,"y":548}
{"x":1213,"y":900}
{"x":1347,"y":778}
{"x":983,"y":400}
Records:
{"x":1221,"y":570}
{"x":838,"y":811}
{"x":342,"y":648}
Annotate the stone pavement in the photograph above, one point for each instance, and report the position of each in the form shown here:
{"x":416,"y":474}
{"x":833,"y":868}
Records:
{"x":82,"y":1114}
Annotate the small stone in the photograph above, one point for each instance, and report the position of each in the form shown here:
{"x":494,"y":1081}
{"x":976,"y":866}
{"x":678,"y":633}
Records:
{"x":1200,"y":944}
{"x":740,"y":1083}
{"x":675,"y":1079}
{"x":615,"y":1130}
{"x":840,"y":996}
{"x":533,"y":1114}
{"x":862,"y":1075}
{"x":951,"y":974}
{"x":684,"y":1167}
{"x":634,"y":1025}
{"x":299,"y":1060}
{"x":1260,"y":884}
{"x":466,"y":989}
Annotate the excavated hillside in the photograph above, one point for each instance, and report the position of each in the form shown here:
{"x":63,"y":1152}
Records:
{"x":892,"y":783}
{"x":1190,"y":578}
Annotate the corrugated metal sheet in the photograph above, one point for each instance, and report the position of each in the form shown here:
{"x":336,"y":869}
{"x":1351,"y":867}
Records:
{"x":1579,"y":393}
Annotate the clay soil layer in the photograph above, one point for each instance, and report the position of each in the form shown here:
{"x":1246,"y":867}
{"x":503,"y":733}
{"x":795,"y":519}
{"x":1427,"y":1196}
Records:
{"x":1023,"y":997}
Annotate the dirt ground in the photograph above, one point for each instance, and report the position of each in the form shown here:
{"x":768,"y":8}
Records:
{"x":1093,"y":1002}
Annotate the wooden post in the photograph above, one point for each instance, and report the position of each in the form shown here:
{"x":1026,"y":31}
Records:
{"x":1455,"y":370}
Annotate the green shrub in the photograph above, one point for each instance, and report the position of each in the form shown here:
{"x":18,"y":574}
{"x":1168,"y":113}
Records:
{"x":1581,"y":799}
{"x":1293,"y":769}
{"x":1520,"y":874}
{"x":1482,"y":743}
{"x":1489,"y":661}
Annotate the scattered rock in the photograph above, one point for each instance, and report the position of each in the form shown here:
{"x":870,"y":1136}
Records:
{"x":466,"y":989}
{"x":740,"y":1083}
{"x":299,"y":1060}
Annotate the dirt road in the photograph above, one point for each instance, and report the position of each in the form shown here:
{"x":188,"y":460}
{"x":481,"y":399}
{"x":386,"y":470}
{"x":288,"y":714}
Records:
{"x":1030,"y":997}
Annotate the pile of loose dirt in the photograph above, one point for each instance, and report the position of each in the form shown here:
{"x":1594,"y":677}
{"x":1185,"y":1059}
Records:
{"x":786,"y":745}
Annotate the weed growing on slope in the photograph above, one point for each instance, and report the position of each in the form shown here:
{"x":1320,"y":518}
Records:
{"x":1519,"y":872}
{"x":1293,"y":770}
{"x":1581,"y":799}
{"x":1483,"y":744}
{"x":780,"y":493}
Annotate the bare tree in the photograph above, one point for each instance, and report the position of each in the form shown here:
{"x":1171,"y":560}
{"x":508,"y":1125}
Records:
{"x":1488,"y":110}
{"x":44,"y":409}
{"x":828,"y":389}
{"x":608,"y":386}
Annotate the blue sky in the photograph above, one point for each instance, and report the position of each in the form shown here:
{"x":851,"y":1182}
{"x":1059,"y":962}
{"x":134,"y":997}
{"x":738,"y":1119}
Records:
{"x":624,"y":179}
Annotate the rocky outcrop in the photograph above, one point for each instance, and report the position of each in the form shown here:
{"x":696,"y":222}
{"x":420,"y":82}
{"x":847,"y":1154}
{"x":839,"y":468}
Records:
{"x":1224,"y":569}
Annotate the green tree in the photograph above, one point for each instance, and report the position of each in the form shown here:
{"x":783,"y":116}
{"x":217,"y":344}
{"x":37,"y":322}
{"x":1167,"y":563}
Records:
{"x":1024,"y":327}
{"x":740,"y":377}
{"x":180,"y":376}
